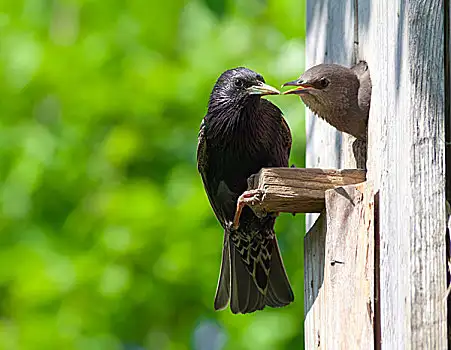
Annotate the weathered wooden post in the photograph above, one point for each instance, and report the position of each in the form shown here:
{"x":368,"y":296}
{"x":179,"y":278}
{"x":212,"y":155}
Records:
{"x":375,"y":263}
{"x":375,"y":258}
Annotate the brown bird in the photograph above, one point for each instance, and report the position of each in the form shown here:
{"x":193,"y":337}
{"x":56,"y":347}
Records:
{"x":241,"y":134}
{"x":337,"y":94}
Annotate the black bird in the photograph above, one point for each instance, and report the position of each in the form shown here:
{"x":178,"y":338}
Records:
{"x":241,"y":134}
{"x":338,"y":94}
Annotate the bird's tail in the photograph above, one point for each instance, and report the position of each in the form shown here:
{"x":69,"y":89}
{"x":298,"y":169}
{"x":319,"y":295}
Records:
{"x":252,"y":274}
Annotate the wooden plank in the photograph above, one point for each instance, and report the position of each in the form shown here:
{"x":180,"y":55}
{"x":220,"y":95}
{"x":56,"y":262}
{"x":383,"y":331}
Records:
{"x":329,"y":39}
{"x":296,"y":190}
{"x":339,"y":271}
{"x":402,"y":41}
{"x":447,"y":54}
{"x":331,"y":35}
{"x":315,"y":326}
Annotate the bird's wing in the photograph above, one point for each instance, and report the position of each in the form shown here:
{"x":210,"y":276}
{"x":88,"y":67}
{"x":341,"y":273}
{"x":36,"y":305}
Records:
{"x":221,"y":199}
{"x":363,"y":74}
{"x":287,"y":139}
{"x":201,"y":150}
{"x":202,"y":163}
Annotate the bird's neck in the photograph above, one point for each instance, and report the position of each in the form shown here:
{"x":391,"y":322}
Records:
{"x":346,"y":116}
{"x":232,"y":119}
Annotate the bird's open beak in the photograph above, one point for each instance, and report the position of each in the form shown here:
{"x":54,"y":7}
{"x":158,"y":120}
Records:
{"x":299,"y":87}
{"x":263,"y":89}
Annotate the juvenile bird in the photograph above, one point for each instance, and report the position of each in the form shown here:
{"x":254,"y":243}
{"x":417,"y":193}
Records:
{"x":241,"y":134}
{"x":337,"y":94}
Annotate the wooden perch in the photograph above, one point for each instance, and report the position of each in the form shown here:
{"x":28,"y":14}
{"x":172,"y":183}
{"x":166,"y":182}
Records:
{"x":296,"y":190}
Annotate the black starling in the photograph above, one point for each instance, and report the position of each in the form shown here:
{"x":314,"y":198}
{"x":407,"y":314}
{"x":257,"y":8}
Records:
{"x":338,"y":94}
{"x":241,"y":134}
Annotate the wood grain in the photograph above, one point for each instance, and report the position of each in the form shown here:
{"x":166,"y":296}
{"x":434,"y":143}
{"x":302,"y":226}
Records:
{"x":339,"y":271}
{"x":403,"y":43}
{"x":296,"y":190}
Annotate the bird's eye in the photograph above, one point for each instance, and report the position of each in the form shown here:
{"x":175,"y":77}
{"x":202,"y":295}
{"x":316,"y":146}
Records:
{"x":239,"y":83}
{"x":323,"y":83}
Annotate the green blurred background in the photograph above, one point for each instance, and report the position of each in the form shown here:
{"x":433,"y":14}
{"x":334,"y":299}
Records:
{"x":107,"y":238}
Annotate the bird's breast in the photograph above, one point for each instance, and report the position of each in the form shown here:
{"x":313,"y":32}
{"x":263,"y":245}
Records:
{"x":234,"y":161}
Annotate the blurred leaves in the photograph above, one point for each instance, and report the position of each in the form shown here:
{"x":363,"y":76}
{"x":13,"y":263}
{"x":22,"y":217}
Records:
{"x":108,"y":240}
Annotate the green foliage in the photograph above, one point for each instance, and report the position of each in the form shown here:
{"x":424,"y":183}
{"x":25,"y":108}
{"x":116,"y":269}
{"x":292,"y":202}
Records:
{"x":107,"y":238}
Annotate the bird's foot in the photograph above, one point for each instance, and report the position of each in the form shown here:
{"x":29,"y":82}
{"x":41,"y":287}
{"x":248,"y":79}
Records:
{"x":230,"y":228}
{"x":253,"y":199}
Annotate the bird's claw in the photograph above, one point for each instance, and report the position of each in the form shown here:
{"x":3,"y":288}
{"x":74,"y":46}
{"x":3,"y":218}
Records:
{"x":253,"y":199}
{"x":231,"y":227}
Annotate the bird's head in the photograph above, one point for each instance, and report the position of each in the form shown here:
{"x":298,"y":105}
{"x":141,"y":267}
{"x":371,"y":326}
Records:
{"x":326,"y":87}
{"x":238,"y":86}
